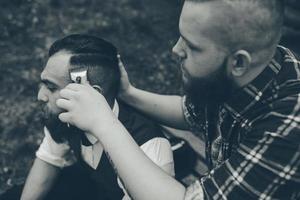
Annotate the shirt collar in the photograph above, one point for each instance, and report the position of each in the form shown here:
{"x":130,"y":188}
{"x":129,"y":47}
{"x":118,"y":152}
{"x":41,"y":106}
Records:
{"x":92,"y":139}
{"x":250,"y":95}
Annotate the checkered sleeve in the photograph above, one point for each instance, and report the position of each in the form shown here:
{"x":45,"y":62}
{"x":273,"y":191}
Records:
{"x":267,"y":162}
{"x":193,"y":115}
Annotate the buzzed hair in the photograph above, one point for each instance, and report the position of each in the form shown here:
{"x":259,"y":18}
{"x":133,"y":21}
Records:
{"x":247,"y":24}
{"x":102,"y":71}
{"x":97,"y":55}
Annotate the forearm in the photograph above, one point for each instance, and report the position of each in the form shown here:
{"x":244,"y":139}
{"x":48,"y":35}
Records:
{"x":165,"y":109}
{"x":39,"y":181}
{"x":135,"y":169}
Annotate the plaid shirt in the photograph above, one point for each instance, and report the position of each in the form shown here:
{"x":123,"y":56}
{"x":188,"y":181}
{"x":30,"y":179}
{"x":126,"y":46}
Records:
{"x":256,"y":151}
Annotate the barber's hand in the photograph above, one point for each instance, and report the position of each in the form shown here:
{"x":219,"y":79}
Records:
{"x":125,"y":85}
{"x":85,"y":108}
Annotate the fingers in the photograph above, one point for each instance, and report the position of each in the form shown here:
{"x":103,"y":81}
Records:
{"x":67,"y":93}
{"x":119,"y":57}
{"x":65,"y":117}
{"x":86,"y":83}
{"x":73,"y":90}
{"x":121,"y":66}
{"x":74,"y":86}
{"x":64,"y":104}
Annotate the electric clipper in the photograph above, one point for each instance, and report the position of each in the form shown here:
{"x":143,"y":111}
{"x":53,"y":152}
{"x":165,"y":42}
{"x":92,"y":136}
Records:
{"x":79,"y":75}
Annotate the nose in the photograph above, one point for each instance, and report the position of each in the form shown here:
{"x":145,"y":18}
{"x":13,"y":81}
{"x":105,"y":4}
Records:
{"x":178,"y":49}
{"x":42,"y":94}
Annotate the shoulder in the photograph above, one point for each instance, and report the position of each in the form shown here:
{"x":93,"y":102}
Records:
{"x":287,"y":81}
{"x":141,"y":128}
{"x":290,"y":64}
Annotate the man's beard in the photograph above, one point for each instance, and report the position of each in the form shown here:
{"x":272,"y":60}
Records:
{"x":59,"y":131}
{"x":212,"y":90}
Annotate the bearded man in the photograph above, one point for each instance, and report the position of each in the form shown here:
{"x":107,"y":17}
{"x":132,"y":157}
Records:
{"x":71,"y":163}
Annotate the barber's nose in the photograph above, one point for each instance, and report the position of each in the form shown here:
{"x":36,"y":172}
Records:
{"x":42,"y":94}
{"x":178,"y":49}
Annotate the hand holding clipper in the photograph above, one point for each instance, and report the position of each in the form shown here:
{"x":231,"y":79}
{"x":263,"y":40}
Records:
{"x":80,"y":76}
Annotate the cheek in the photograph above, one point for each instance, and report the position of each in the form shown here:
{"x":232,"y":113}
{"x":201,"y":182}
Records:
{"x":52,"y":103}
{"x":202,"y":65}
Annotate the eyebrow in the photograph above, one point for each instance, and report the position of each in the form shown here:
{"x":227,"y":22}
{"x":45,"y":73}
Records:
{"x":48,"y":82}
{"x":51,"y":81}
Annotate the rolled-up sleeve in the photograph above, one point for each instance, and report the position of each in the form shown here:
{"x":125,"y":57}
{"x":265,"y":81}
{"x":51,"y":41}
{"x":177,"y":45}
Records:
{"x":53,"y":153}
{"x":194,"y":115}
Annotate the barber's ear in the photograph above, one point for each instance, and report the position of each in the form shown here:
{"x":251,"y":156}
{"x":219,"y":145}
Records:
{"x":240,"y":63}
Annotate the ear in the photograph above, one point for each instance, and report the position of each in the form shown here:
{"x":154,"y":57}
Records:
{"x":98,"y":88}
{"x":240,"y":63}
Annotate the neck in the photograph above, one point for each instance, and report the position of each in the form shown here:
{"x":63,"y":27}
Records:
{"x":110,"y":101}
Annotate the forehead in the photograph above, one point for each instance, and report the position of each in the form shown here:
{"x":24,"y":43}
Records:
{"x":57,"y":68}
{"x":197,"y":21}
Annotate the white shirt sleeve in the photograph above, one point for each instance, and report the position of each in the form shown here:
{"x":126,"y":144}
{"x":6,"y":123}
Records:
{"x":160,"y":152}
{"x":194,"y":192}
{"x":53,"y":153}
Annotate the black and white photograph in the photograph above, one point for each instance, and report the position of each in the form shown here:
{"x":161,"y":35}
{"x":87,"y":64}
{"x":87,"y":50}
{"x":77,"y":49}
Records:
{"x":150,"y":100}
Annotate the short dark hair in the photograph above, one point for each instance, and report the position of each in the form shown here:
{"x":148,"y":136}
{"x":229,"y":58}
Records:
{"x":249,"y":24}
{"x":96,"y":54}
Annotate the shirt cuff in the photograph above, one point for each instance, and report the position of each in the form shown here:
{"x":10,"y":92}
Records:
{"x":194,"y":115}
{"x":54,"y":160}
{"x":53,"y":153}
{"x":194,"y":192}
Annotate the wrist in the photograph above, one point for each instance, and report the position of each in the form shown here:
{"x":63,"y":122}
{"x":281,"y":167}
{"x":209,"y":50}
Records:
{"x":128,"y":95}
{"x":102,"y":127}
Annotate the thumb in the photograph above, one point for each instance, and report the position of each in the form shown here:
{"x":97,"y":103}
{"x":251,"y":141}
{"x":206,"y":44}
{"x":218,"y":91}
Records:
{"x":65,"y":117}
{"x":121,"y":67}
{"x":85,"y":82}
{"x":88,"y":85}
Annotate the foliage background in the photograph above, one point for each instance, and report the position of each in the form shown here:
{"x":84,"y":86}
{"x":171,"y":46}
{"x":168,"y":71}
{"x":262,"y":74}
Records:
{"x":143,"y":30}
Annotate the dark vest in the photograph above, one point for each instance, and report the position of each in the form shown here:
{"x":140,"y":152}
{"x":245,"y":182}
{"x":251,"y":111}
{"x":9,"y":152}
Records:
{"x":105,"y":178}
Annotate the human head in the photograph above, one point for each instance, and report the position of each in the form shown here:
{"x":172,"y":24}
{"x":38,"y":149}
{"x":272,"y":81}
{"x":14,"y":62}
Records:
{"x":97,"y":55}
{"x":236,"y":37}
{"x":76,"y":51}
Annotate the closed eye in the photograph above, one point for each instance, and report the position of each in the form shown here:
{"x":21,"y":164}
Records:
{"x":51,"y":86}
{"x":189,"y":44}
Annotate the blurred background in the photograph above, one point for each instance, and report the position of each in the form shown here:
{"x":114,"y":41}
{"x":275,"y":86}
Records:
{"x":143,"y":30}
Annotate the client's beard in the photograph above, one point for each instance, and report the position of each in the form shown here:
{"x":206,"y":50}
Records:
{"x":212,"y":90}
{"x":59,"y":131}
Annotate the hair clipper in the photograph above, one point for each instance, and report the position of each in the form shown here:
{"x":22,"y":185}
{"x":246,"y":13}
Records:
{"x":80,"y":76}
